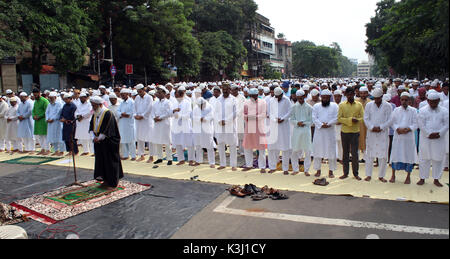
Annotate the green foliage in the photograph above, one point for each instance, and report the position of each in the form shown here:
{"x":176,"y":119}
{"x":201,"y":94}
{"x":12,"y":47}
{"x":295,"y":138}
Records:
{"x":411,"y":36}
{"x":12,"y":40}
{"x":59,"y":27}
{"x":320,"y":61}
{"x":221,"y":52}
{"x":270,"y":73}
{"x":231,"y":16}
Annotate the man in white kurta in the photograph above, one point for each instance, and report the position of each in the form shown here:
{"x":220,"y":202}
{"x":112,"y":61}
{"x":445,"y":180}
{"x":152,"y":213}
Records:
{"x":83,"y":115}
{"x":182,"y":127}
{"x":161,"y":113}
{"x":25,"y":130}
{"x":13,"y":143}
{"x":337,"y":96}
{"x":240,"y":101}
{"x":126,"y":126}
{"x":114,"y":107}
{"x":54,"y":126}
{"x":3,"y":109}
{"x":446,"y":161}
{"x":325,"y":115}
{"x":301,"y":119}
{"x":404,"y":152}
{"x":144,"y":124}
{"x":433,"y":123}
{"x":377,"y":116}
{"x":280,"y":131}
{"x":203,"y":131}
{"x":226,"y":127}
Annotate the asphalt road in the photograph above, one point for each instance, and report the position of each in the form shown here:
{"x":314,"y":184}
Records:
{"x":195,"y":210}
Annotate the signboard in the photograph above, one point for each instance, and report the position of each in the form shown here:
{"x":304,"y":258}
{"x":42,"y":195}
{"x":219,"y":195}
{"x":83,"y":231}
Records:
{"x":8,"y":60}
{"x":113,"y":70}
{"x":129,"y":69}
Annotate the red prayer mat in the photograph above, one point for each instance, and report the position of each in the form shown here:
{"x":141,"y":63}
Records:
{"x":60,"y":204}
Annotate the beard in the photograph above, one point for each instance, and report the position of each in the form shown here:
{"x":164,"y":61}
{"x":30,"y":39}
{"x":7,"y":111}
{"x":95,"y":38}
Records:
{"x":326,"y":103}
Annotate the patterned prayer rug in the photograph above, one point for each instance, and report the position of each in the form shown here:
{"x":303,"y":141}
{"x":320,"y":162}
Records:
{"x":66,"y":202}
{"x":31,"y":160}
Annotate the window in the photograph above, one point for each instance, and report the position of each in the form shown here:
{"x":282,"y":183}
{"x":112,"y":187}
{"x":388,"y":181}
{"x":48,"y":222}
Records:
{"x":267,"y":45}
{"x":280,"y":52}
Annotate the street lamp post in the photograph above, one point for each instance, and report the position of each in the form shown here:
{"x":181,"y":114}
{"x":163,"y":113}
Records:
{"x":98,"y":62}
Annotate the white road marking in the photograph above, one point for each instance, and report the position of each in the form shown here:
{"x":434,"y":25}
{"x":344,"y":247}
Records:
{"x":223,"y":208}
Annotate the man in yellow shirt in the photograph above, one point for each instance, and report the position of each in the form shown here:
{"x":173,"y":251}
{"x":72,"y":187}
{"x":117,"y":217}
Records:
{"x":351,"y":114}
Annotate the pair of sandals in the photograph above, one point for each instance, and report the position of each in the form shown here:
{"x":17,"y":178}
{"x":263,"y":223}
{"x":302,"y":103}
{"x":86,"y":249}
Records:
{"x":256,"y":193}
{"x":321,"y":182}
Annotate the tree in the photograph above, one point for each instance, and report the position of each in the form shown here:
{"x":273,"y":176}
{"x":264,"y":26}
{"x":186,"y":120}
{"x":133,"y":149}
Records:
{"x":12,"y":40}
{"x":221,"y":52}
{"x":280,"y":36}
{"x":59,"y":27}
{"x":411,"y":36}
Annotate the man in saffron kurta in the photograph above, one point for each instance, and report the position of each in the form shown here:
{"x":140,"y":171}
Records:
{"x":40,"y":124}
{"x":363,"y":99}
{"x":105,"y":134}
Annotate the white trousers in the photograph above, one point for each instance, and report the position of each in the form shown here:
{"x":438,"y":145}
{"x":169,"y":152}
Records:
{"x":339,"y":149}
{"x":28,"y":144}
{"x":332,"y":164}
{"x":296,"y":156}
{"x":436,"y":166}
{"x":42,"y":140}
{"x":128,"y":149}
{"x":141,"y":147}
{"x":88,"y":146}
{"x":223,"y":156}
{"x":382,"y":163}
{"x":14,"y":144}
{"x":274,"y":157}
{"x":58,"y":147}
{"x":180,"y":153}
{"x":249,"y":158}
{"x":159,"y":151}
{"x":199,"y":155}
{"x":2,"y":144}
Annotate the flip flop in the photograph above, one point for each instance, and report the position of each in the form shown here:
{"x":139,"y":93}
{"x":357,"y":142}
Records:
{"x":259,"y":197}
{"x":279,"y":196}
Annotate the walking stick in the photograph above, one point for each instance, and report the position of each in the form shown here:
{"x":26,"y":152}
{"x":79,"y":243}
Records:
{"x":73,"y":157}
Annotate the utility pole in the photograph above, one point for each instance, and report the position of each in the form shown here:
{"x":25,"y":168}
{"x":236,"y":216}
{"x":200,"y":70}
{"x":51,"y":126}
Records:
{"x":111,"y":47}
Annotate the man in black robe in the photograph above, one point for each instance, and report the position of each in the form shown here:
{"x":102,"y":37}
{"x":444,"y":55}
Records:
{"x":105,"y":134}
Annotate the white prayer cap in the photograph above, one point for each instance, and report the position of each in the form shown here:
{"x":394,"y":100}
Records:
{"x":275,"y":84}
{"x":83,"y":94}
{"x":246,"y":89}
{"x":134,"y":93}
{"x":305,"y":88}
{"x":46,"y":92}
{"x":387,"y":97}
{"x":314,"y":92}
{"x":13,"y":99}
{"x":202,"y":86}
{"x":188,"y":92}
{"x":9,"y":91}
{"x":23,"y":94}
{"x":260,"y":87}
{"x":364,"y":89}
{"x":152,"y":92}
{"x":53,"y":94}
{"x":266,"y":90}
{"x":324,"y":84}
{"x":164,"y":89}
{"x":278,"y":91}
{"x":326,"y":92}
{"x":433,"y":95}
{"x":96,"y":100}
{"x":253,"y":91}
{"x":67,"y":95}
{"x":401,"y":87}
{"x":405,"y":94}
{"x":377,"y":93}
{"x":337,"y":92}
{"x":102,"y":87}
{"x":139,"y":86}
{"x":300,"y":93}
{"x":397,"y":80}
{"x":112,"y":96}
{"x":125,"y":91}
{"x":216,"y":88}
{"x":234,"y":86}
{"x":169,"y":84}
{"x":181,"y":88}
